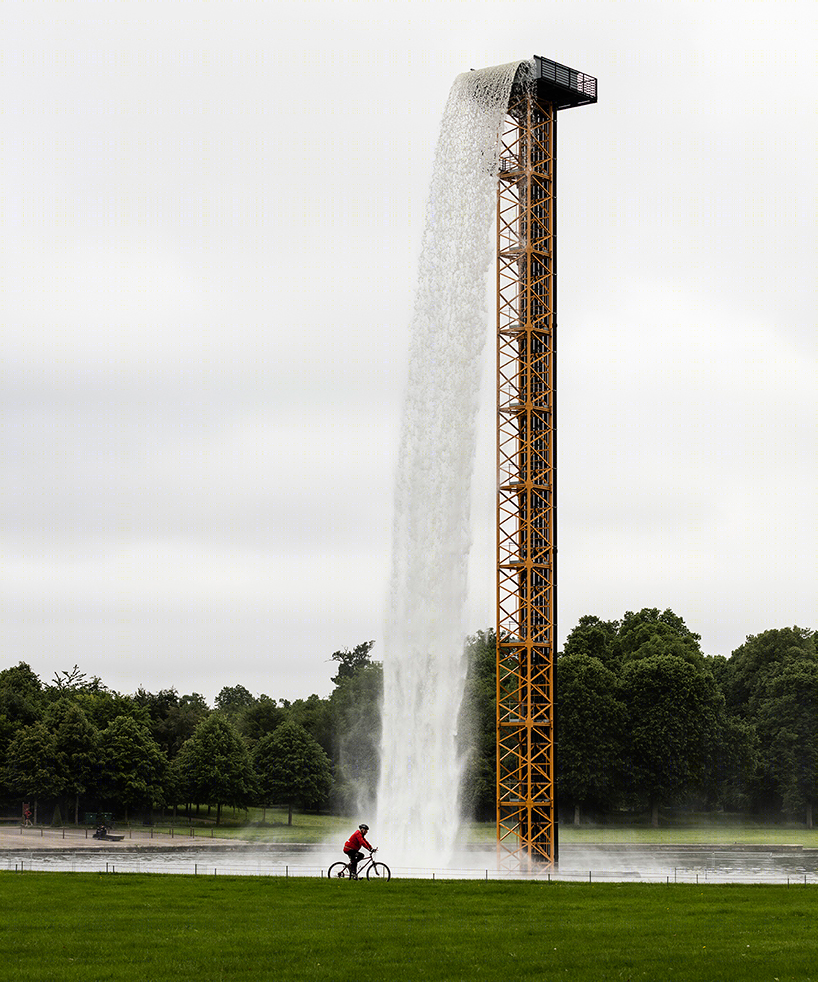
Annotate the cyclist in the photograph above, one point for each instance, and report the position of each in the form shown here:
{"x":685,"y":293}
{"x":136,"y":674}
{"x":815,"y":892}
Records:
{"x":353,"y":845}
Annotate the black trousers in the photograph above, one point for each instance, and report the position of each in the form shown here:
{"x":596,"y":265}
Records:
{"x":354,"y":858}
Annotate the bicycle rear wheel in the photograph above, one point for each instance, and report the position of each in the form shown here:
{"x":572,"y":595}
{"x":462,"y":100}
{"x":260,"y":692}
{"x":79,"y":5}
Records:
{"x":337,"y":870}
{"x":379,"y":871}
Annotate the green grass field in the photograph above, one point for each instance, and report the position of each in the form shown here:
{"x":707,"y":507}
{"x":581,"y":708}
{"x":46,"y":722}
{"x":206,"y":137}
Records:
{"x":94,"y":927}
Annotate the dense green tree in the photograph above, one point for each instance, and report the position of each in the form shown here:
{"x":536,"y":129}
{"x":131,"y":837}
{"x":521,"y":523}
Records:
{"x":157,"y":704}
{"x":355,"y":709}
{"x":76,"y":741}
{"x":671,"y":725}
{"x":21,"y":695}
{"x":718,"y":666}
{"x":182,"y":721}
{"x":750,"y":671}
{"x":596,"y":639}
{"x":7,"y":731}
{"x":261,"y":718}
{"x":134,"y":767}
{"x":477,"y":727}
{"x":732,"y":763}
{"x":590,"y":734}
{"x":649,"y":633}
{"x":315,"y":715}
{"x":349,"y":661}
{"x":264,"y":766}
{"x":172,"y":718}
{"x":102,"y":706}
{"x":214,"y":766}
{"x":299,"y":772}
{"x":233,"y":700}
{"x":33,"y":767}
{"x":788,"y":726}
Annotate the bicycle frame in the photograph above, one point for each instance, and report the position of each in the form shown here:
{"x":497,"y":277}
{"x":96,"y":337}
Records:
{"x":364,"y":864}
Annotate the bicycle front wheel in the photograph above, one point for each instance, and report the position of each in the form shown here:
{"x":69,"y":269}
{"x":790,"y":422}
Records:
{"x":337,"y":870}
{"x":379,"y":871}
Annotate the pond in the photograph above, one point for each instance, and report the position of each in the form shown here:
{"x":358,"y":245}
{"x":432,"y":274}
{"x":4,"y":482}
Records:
{"x":680,"y":864}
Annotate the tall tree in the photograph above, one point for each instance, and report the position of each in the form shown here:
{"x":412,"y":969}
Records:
{"x":596,"y":639}
{"x":648,"y":633}
{"x":21,"y":695}
{"x":172,"y":718}
{"x":233,"y":700}
{"x":349,"y":661}
{"x":76,"y":681}
{"x":76,"y":741}
{"x":260,"y":719}
{"x":315,"y":715}
{"x":33,"y":768}
{"x":356,"y":727}
{"x":754,"y":665}
{"x":671,"y":708}
{"x":264,"y":766}
{"x":299,"y":771}
{"x":732,"y":764}
{"x":134,"y":766}
{"x":590,"y":733}
{"x":214,"y":766}
{"x":182,"y":720}
{"x":477,"y":727}
{"x":788,"y":726}
{"x":102,"y":706}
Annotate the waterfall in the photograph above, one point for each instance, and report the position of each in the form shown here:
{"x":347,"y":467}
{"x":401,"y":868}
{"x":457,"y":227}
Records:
{"x":424,"y":669}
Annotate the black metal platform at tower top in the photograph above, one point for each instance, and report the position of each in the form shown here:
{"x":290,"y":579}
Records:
{"x":563,"y":87}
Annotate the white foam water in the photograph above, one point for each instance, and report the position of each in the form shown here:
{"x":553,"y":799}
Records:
{"x":424,"y":669}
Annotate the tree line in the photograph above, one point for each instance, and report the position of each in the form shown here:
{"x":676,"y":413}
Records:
{"x":644,"y":721}
{"x":75,"y":746}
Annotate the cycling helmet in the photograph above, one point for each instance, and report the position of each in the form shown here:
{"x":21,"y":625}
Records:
{"x":364,"y":828}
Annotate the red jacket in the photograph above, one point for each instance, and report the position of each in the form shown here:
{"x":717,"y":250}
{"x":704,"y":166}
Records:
{"x":355,"y":841}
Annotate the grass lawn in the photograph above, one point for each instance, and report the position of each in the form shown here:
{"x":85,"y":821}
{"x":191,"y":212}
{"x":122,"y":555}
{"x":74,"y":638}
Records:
{"x":312,"y":828}
{"x":306,"y":826}
{"x":704,"y":834}
{"x":92,"y":927}
{"x":707,"y":835}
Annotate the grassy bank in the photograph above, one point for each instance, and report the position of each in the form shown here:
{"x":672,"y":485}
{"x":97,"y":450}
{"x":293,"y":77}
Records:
{"x":67,"y":927}
{"x":711,"y":834}
{"x":708,"y":835}
{"x":309,"y":827}
{"x":271,"y":826}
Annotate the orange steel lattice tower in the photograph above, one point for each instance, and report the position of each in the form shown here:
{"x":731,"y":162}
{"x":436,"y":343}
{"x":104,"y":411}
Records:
{"x":526,"y":461}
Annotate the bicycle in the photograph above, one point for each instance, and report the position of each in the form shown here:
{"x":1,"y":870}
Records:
{"x":374,"y":871}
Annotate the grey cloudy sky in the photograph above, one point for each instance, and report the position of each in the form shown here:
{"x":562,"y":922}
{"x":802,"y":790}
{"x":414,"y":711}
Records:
{"x":211,"y":216}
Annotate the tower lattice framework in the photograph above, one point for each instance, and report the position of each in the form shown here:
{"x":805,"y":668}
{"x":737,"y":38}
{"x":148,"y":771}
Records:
{"x":526,"y":462}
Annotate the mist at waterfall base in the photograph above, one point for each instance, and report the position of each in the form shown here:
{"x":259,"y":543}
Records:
{"x":418,"y":814}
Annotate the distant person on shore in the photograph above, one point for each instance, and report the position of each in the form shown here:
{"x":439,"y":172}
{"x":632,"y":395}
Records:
{"x":353,"y":846}
{"x":27,"y":816}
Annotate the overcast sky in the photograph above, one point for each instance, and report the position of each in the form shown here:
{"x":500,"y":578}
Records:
{"x":211,"y":217}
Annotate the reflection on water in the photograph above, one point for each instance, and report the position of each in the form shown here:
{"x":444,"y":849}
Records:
{"x":680,"y":864}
